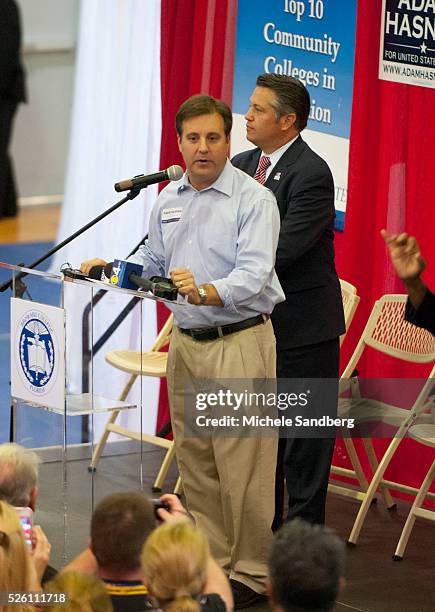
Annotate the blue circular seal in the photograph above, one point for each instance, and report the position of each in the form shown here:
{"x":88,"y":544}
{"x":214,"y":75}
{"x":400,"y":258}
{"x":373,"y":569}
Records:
{"x":37,"y":355}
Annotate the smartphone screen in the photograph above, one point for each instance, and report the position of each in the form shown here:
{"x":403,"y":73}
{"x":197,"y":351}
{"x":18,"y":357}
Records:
{"x":25,"y":516}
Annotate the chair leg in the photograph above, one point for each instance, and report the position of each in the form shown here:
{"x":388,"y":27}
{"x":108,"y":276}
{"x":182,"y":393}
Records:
{"x":158,"y":484}
{"x":370,"y":493}
{"x":128,"y":386}
{"x":356,"y":464}
{"x":178,"y":487}
{"x":102,"y":441}
{"x":418,"y":502}
{"x":373,"y":460}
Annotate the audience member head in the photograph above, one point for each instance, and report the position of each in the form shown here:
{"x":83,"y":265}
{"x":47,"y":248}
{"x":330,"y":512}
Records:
{"x":119,"y":527}
{"x":84,"y":594}
{"x":306,"y":567}
{"x":18,"y":475}
{"x":198,"y":105}
{"x":17,"y":572}
{"x":174,"y":564}
{"x":291,"y":96}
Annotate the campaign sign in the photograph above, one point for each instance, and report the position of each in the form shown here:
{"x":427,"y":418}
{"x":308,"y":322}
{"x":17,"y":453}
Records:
{"x":313,"y":41}
{"x":407,"y":49}
{"x":38,"y":354}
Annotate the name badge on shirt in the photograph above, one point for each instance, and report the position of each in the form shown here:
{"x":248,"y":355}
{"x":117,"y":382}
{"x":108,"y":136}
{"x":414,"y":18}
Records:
{"x":169,"y":215}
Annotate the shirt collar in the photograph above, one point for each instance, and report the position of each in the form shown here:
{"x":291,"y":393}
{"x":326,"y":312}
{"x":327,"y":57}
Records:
{"x":223,"y":183}
{"x":276,"y":155}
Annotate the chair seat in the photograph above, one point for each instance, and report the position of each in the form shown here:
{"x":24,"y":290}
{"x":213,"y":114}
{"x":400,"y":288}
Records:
{"x":152,"y":363}
{"x":423,"y":433}
{"x":365,"y":410}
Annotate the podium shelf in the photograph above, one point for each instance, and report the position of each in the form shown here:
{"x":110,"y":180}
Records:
{"x":85,"y":403}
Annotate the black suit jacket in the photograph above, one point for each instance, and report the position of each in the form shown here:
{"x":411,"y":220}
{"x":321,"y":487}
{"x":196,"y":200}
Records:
{"x":12,"y":85}
{"x":304,"y":189}
{"x":424,"y":315}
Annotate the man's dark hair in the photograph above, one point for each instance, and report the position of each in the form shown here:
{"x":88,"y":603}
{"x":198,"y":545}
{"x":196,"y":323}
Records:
{"x":203,"y":105}
{"x":291,"y":97}
{"x":119,"y":527}
{"x":306,"y":563}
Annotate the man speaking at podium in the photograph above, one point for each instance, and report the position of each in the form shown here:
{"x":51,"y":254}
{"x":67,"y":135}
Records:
{"x":215,"y":232}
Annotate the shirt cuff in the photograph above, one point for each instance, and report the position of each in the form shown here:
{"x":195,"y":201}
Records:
{"x":225,"y":295}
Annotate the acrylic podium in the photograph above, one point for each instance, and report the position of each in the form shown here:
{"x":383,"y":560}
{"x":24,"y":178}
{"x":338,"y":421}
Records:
{"x":60,"y":396}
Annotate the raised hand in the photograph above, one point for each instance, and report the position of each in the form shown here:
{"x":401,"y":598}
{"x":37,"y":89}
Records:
{"x":405,"y":255}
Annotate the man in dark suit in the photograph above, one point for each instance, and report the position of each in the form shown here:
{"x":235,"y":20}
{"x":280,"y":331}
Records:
{"x":12,"y":92}
{"x":308,"y":324}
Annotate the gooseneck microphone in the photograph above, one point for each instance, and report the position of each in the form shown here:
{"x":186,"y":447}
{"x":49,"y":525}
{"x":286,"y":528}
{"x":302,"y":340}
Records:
{"x":173,"y":173}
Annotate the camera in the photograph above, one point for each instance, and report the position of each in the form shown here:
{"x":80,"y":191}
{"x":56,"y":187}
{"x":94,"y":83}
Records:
{"x":158,"y":503}
{"x":25,"y":516}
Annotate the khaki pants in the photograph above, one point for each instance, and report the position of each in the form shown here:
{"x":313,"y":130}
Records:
{"x":229,"y":483}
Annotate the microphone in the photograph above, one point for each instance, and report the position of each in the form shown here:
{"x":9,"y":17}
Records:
{"x":101,"y":272}
{"x":173,"y":173}
{"x":95,"y":273}
{"x":121,"y":271}
{"x":127,"y":275}
{"x":158,"y":285}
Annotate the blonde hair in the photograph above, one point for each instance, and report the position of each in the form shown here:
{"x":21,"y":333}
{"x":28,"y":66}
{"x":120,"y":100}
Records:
{"x":84,"y":593}
{"x":174,"y":563}
{"x":15,"y":562}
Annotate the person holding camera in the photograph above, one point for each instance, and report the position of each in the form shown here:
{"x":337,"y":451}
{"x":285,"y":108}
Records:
{"x":19,"y":468}
{"x":21,"y":568}
{"x":120,"y":525}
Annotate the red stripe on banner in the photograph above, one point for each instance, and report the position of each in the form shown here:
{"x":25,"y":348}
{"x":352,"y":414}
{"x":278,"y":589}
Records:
{"x":202,"y":47}
{"x":196,"y":56}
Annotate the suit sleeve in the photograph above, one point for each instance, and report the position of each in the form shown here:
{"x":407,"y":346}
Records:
{"x":424,"y":315}
{"x":310,"y":209}
{"x":9,"y":45}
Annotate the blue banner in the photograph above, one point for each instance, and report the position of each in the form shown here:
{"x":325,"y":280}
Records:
{"x":313,"y":41}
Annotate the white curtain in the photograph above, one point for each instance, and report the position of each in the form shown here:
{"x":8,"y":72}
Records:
{"x":115,"y":134}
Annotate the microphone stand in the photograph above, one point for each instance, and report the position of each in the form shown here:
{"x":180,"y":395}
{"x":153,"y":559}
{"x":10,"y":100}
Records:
{"x":21,"y":287}
{"x":130,"y":196}
{"x":133,"y":251}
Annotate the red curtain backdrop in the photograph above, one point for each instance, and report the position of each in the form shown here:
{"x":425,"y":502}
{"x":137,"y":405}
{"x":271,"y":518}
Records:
{"x":197,"y":56}
{"x":391,"y":176}
{"x":391,"y":166}
{"x":391,"y":184}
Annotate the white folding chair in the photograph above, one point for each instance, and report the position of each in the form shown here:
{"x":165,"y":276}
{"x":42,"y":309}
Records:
{"x":152,"y":363}
{"x":350,"y":304}
{"x":423,"y":434}
{"x":388,"y":332}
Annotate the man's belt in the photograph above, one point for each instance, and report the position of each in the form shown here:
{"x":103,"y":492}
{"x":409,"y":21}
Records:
{"x":213,"y":333}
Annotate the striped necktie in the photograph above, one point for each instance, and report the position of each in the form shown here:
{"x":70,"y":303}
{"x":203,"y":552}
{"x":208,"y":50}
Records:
{"x":260,"y":174}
